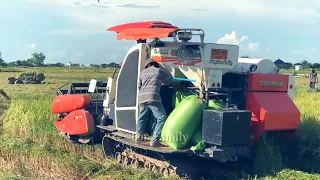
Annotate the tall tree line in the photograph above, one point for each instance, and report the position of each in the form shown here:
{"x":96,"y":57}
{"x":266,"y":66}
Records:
{"x":37,"y":59}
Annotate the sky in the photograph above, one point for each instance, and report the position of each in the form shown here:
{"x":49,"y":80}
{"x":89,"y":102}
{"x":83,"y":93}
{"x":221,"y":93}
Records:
{"x":75,"y":31}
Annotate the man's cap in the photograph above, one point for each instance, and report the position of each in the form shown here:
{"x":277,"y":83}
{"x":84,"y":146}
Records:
{"x":148,"y":61}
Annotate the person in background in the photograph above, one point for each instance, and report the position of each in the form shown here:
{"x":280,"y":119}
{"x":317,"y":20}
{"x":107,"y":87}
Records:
{"x":151,"y":79}
{"x":313,"y":79}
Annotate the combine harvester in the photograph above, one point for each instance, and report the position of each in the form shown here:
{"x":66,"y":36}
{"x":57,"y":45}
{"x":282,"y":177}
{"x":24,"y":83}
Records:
{"x":232,"y":102}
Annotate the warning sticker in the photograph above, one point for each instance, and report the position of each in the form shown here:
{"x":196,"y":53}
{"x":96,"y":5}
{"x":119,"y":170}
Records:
{"x":219,"y":54}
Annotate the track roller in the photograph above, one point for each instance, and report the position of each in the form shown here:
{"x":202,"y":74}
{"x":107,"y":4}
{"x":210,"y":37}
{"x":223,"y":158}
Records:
{"x":146,"y":165}
{"x":165,"y":172}
{"x":176,"y":167}
{"x":135,"y":163}
{"x":126,"y":160}
{"x":118,"y":157}
{"x":153,"y":168}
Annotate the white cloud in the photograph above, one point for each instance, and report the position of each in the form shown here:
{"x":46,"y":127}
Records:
{"x":112,"y":14}
{"x":31,"y":46}
{"x":90,"y":19}
{"x":244,"y":38}
{"x":253,"y":46}
{"x":232,"y":38}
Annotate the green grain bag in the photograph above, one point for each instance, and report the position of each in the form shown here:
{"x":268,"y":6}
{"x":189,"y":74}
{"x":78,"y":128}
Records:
{"x":182,"y":122}
{"x":180,"y":95}
{"x":198,"y":147}
{"x":216,"y":104}
{"x":196,"y":140}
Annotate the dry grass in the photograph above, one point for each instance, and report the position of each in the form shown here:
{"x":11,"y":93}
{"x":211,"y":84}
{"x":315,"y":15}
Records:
{"x":30,"y":147}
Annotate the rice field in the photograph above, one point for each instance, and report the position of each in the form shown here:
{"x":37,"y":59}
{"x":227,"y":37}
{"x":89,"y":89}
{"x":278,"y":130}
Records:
{"x":30,"y":147}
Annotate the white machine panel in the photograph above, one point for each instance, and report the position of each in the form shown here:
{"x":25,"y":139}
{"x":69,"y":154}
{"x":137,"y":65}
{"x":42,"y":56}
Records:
{"x":92,"y":85}
{"x":174,"y":55}
{"x":264,"y":66}
{"x":111,"y":92}
{"x":291,"y":85}
{"x":220,"y":56}
{"x":215,"y":78}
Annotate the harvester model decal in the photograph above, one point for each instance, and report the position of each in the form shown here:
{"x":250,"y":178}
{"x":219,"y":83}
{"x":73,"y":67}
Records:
{"x":178,"y":56}
{"x":265,"y":83}
{"x":220,"y":56}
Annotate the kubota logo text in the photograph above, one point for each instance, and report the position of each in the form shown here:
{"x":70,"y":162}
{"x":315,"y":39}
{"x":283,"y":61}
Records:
{"x":265,"y":83}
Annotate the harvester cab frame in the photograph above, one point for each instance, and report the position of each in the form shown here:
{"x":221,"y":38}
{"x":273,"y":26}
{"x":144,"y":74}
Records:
{"x":241,"y":97}
{"x":164,"y":52}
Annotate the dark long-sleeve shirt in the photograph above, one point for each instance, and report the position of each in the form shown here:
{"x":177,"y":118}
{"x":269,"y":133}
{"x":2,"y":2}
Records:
{"x":150,"y":82}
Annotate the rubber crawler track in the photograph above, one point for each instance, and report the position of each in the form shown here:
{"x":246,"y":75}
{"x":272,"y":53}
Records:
{"x":174,"y":165}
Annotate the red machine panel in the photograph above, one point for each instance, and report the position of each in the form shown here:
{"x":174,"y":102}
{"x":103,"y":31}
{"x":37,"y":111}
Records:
{"x":69,"y":102}
{"x":78,"y":122}
{"x":272,"y":111}
{"x":268,"y":82}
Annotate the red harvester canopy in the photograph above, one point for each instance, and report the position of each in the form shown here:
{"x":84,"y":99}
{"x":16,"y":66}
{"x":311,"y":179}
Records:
{"x":143,"y":30}
{"x":135,"y":34}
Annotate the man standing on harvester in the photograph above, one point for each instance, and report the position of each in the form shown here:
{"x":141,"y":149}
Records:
{"x":150,"y":81}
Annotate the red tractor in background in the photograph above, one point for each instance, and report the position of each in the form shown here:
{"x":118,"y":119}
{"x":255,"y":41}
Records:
{"x":257,"y":99}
